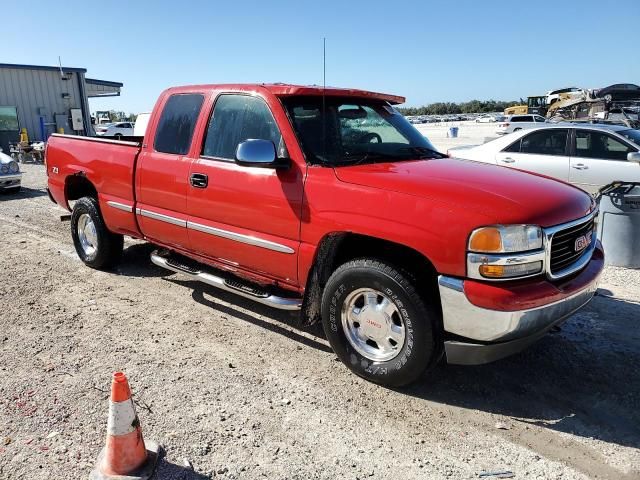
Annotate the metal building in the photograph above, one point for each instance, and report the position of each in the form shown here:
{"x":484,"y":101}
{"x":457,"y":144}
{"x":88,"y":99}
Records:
{"x":46,"y":99}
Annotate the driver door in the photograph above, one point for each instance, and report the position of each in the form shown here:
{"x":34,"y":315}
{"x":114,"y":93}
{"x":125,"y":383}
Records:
{"x":246,"y":218}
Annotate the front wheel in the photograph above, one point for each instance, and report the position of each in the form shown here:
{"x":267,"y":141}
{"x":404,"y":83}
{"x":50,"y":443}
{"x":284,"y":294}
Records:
{"x":96,"y":246}
{"x":377,"y":323}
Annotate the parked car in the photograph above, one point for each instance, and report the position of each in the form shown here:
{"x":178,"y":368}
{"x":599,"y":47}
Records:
{"x":10,"y":175}
{"x":117,"y":130}
{"x":553,"y":96}
{"x":588,"y":156}
{"x":488,"y":119}
{"x":513,"y":123}
{"x":102,"y":128}
{"x":327,"y":201}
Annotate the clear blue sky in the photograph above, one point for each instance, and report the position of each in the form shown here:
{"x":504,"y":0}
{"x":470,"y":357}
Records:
{"x":449,"y":50}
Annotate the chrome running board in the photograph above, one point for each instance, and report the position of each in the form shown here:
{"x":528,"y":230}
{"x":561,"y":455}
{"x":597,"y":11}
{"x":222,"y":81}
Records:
{"x":232,"y":286}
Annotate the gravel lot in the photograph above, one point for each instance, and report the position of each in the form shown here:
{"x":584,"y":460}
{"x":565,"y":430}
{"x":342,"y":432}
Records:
{"x":241,"y":392}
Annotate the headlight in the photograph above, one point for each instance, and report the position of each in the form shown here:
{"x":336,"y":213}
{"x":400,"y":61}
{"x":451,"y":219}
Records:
{"x":4,"y":168}
{"x":503,"y":252}
{"x":13,"y":167}
{"x":506,"y":239}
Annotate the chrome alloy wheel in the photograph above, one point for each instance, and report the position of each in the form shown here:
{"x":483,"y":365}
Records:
{"x":373,"y":325}
{"x":87,"y":235}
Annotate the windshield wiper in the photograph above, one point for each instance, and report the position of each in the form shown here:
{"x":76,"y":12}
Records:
{"x":426,"y":150}
{"x":373,"y":156}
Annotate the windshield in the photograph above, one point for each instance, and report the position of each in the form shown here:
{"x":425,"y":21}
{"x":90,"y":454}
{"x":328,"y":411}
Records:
{"x":346,"y":131}
{"x":631,"y":134}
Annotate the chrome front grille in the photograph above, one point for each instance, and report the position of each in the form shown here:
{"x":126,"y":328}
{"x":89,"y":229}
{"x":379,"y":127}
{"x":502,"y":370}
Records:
{"x":569,"y":247}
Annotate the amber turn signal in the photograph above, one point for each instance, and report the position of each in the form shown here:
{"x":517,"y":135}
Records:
{"x":510,"y":271}
{"x":486,"y":240}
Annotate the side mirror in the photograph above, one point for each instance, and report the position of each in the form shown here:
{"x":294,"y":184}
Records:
{"x":633,"y":157}
{"x":259,"y":153}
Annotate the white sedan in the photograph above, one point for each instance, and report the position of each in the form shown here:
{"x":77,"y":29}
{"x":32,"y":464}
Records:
{"x":117,"y":130}
{"x":513,"y":123}
{"x":588,"y":156}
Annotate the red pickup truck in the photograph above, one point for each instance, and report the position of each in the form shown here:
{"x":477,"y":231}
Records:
{"x":329,"y":202}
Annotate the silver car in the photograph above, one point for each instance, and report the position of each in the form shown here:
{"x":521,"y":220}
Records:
{"x":588,"y":156}
{"x":10,"y":176}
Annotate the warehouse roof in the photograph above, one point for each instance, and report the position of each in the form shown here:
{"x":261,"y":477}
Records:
{"x":41,"y":67}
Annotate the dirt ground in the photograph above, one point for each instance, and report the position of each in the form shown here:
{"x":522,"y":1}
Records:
{"x":239,"y":391}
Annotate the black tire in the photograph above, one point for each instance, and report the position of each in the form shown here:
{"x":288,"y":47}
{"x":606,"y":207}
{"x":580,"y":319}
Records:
{"x":109,"y":247}
{"x":419,"y":320}
{"x":517,"y":129}
{"x":117,"y":136}
{"x":11,"y":190}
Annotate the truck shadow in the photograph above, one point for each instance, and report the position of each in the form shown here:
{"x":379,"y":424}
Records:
{"x":583,"y":380}
{"x":281,"y":322}
{"x":135,"y":262}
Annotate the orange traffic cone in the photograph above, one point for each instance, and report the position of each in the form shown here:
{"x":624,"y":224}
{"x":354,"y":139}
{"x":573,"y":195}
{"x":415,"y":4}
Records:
{"x":126,"y":453}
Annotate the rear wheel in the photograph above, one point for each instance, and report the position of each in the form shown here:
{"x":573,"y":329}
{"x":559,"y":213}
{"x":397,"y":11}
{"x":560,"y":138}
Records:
{"x":377,"y":323}
{"x":96,"y":246}
{"x":11,"y":190}
{"x":516,"y":129}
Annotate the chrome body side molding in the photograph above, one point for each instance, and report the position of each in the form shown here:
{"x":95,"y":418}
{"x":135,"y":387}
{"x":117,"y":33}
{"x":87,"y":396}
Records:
{"x":238,"y":237}
{"x":120,"y":206}
{"x":218,"y":232}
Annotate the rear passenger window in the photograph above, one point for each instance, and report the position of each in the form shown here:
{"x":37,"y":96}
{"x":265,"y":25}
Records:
{"x":237,"y":118}
{"x":178,"y":119}
{"x":545,"y":142}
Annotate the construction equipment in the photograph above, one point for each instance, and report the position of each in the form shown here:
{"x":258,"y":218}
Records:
{"x":535,"y":105}
{"x":617,"y":103}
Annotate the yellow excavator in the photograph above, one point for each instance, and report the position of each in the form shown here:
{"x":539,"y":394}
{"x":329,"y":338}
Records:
{"x":535,"y":105}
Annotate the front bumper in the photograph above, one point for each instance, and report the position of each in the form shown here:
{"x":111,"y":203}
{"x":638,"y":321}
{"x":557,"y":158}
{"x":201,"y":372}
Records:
{"x":477,"y":335}
{"x":10,"y":181}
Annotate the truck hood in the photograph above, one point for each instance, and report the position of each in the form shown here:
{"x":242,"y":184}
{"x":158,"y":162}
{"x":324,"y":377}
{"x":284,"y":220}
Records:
{"x":504,"y":195}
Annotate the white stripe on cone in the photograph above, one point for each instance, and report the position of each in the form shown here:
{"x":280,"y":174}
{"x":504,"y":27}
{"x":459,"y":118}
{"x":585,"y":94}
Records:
{"x":122,"y":418}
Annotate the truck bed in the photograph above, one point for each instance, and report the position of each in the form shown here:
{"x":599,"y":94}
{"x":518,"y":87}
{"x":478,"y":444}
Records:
{"x":109,"y":166}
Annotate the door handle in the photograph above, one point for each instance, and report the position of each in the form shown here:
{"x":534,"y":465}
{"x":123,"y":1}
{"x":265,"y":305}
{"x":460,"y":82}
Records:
{"x":507,"y":160}
{"x":199,"y":180}
{"x":579,"y":166}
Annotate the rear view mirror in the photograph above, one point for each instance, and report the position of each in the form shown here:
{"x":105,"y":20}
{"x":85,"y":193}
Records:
{"x":353,"y":113}
{"x":259,"y":153}
{"x":633,"y":157}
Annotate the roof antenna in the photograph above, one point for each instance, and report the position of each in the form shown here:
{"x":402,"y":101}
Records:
{"x":324,"y":87}
{"x":60,"y":63}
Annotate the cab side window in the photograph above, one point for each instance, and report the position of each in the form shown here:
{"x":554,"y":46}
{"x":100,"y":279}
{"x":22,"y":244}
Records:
{"x":237,"y":118}
{"x":592,"y":144}
{"x":177,"y":122}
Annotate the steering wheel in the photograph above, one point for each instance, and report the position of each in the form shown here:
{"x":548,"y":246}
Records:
{"x":368,"y":137}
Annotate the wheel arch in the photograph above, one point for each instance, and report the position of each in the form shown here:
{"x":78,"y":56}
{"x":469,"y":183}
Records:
{"x":77,"y":186}
{"x":337,"y":248}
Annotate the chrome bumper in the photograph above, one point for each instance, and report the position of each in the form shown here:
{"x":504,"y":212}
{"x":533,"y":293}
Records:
{"x":489,"y":335}
{"x":10,"y":181}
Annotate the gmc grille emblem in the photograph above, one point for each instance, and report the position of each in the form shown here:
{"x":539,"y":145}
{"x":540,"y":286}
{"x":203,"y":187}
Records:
{"x":582,"y":242}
